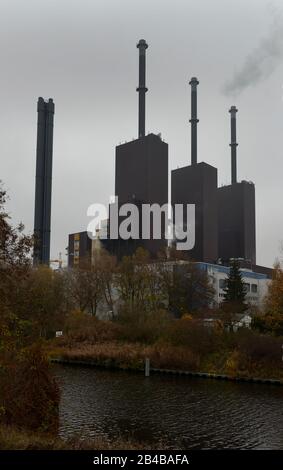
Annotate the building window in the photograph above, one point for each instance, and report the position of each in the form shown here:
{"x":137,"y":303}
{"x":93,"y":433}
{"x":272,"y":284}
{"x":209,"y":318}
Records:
{"x":222,"y":283}
{"x":254,"y":288}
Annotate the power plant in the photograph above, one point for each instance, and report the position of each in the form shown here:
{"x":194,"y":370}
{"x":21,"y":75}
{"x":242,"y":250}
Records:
{"x":224,"y":216}
{"x":43,"y":183}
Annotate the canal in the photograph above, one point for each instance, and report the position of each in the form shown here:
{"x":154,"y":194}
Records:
{"x":178,"y":411}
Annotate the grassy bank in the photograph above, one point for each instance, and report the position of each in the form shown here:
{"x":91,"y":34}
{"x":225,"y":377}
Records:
{"x":128,"y":355}
{"x":12,"y":438}
{"x":131,"y":356}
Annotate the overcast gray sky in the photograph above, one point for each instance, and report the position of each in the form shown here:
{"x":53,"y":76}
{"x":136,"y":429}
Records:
{"x":83,"y":54}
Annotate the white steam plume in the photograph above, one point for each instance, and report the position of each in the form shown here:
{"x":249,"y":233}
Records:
{"x":260,"y":63}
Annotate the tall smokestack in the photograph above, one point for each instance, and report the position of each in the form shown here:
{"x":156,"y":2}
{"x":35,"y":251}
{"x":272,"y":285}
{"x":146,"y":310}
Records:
{"x":142,"y":46}
{"x":194,"y":120}
{"x":233,"y":111}
{"x":43,"y":185}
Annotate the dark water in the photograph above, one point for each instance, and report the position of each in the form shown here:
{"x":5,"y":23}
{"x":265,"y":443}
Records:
{"x":180,"y":411}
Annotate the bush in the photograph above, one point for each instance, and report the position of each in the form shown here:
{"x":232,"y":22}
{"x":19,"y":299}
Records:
{"x":82,"y":327}
{"x":181,"y":358}
{"x":29,"y":394}
{"x":193,"y":335}
{"x":259,"y":348}
{"x":269,"y":323}
{"x":141,"y":326}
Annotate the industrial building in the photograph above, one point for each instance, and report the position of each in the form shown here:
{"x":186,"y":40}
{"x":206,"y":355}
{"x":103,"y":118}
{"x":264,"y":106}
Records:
{"x":79,"y":249}
{"x":197,"y":184}
{"x":43,"y":184}
{"x":225,"y":225}
{"x":224,"y":216}
{"x":140,"y":164}
{"x":141,"y":172}
{"x":236,"y":211}
{"x":236,"y":221}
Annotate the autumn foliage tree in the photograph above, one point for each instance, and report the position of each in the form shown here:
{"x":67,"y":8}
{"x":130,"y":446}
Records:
{"x":90,"y":284}
{"x":139,"y":283}
{"x":42,"y":301}
{"x":274,"y":298}
{"x":29,"y":396}
{"x":272,"y":320}
{"x":15,"y":247}
{"x":191,"y":290}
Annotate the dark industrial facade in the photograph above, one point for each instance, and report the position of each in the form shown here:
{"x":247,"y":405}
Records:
{"x":197,"y":184}
{"x":236,"y":211}
{"x":43,"y":185}
{"x":236,"y":221}
{"x":142,"y":178}
{"x":141,"y":172}
{"x":79,"y":249}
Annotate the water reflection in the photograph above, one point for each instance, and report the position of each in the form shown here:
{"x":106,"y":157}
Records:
{"x":203,"y":414}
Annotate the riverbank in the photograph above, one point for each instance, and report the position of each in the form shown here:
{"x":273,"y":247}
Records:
{"x":204,"y":375}
{"x":12,"y":438}
{"x":225,"y":365}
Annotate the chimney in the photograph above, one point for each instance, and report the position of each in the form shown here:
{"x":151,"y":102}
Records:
{"x":43,"y":186}
{"x":142,"y":46}
{"x":194,"y":120}
{"x":233,"y":110}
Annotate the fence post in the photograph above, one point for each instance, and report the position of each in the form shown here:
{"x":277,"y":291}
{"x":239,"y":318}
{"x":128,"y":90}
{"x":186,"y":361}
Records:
{"x":147,"y":367}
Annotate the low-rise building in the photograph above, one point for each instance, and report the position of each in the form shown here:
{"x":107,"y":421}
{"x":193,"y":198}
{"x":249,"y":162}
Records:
{"x":256,"y":281}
